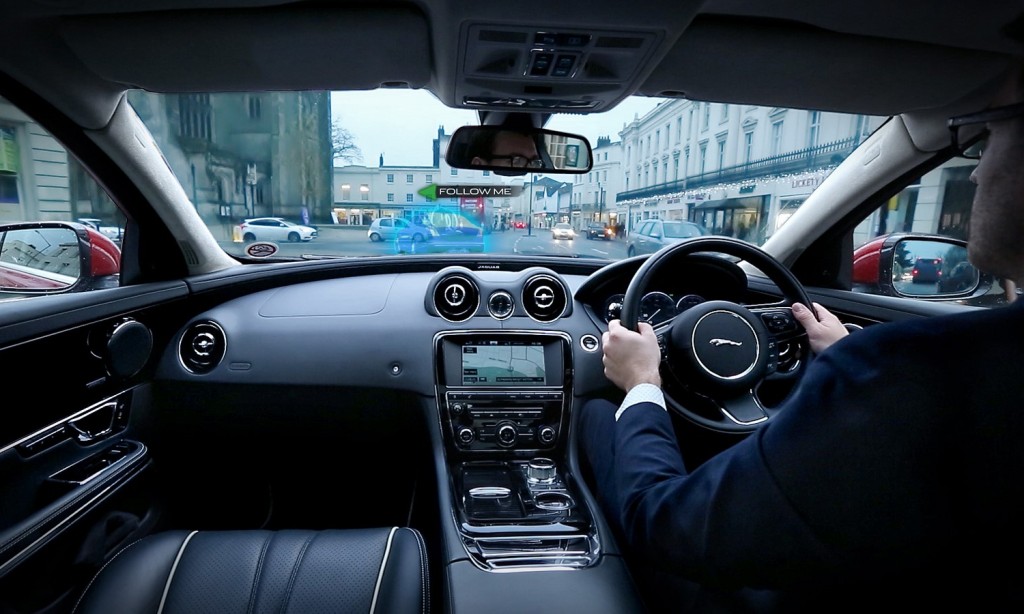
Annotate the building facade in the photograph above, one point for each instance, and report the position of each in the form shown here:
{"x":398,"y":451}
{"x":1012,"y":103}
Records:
{"x":246,"y":155}
{"x":739,"y":170}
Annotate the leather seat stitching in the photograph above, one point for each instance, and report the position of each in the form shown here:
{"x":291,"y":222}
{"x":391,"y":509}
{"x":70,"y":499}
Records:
{"x":383,"y":564}
{"x":295,"y":571}
{"x":174,"y":567}
{"x":259,"y":570}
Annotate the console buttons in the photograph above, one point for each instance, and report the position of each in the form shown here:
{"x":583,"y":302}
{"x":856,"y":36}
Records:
{"x":546,"y":435}
{"x":507,"y":435}
{"x":541,"y":470}
{"x":458,"y":408}
{"x":466,"y":435}
{"x":541,"y":64}
{"x":589,"y":343}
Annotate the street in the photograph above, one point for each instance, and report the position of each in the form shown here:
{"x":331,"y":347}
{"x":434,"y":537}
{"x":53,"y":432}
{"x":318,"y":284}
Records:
{"x":352,"y":241}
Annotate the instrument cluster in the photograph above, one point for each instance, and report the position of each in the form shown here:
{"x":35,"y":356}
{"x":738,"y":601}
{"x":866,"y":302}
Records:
{"x":655,"y":307}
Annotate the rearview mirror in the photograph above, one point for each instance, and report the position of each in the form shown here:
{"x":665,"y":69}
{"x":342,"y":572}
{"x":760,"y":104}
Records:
{"x":517,"y":151}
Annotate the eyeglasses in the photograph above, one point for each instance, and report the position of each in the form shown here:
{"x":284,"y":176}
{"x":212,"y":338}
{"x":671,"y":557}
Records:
{"x":517,"y":162}
{"x":974,"y":146}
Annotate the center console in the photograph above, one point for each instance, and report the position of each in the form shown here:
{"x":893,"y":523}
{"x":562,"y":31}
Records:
{"x":503,"y":402}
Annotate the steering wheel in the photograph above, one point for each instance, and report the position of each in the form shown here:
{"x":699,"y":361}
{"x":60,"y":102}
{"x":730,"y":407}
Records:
{"x":720,"y":352}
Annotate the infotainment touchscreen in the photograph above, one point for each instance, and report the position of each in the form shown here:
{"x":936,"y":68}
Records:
{"x":503,"y":363}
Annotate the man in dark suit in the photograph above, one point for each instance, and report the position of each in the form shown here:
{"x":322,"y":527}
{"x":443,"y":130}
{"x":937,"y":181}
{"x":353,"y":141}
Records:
{"x":893,"y":475}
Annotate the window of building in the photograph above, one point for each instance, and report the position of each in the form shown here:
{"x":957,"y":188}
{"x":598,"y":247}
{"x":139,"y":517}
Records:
{"x":814,"y":126}
{"x":703,"y":157}
{"x":408,"y":198}
{"x":668,"y":134}
{"x":676,"y":170}
{"x":255,"y":107}
{"x":430,"y":178}
{"x":776,"y":138}
{"x":679,"y":128}
{"x":391,"y":177}
{"x":194,"y":116}
{"x":391,"y":197}
{"x":646,"y":178}
{"x":748,"y":146}
{"x":725,"y":113}
{"x":346,"y":191}
{"x":657,"y":140}
{"x":706,"y":117}
{"x":686,"y":161}
{"x":408,"y":178}
{"x":487,"y":173}
{"x":364,"y":191}
{"x":721,"y":154}
{"x":455,"y":171}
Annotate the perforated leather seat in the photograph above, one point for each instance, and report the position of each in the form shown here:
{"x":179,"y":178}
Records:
{"x":379,"y":570}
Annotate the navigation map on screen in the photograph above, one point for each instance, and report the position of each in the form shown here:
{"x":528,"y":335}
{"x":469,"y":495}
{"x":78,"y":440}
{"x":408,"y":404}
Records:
{"x":503,"y":363}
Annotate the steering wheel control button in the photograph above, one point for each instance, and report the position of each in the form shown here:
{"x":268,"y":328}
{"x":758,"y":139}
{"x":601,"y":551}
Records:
{"x":778,"y":322}
{"x":590,"y":343}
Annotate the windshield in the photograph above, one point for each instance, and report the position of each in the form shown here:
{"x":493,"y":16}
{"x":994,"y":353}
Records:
{"x":363,"y":170}
{"x":682,"y":230}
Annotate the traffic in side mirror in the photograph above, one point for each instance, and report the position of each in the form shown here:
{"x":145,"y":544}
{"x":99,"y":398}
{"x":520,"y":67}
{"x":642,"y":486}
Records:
{"x":917,"y":266}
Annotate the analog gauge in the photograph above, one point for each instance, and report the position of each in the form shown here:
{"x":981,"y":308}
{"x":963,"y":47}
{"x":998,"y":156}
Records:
{"x":613,"y":307}
{"x":690,"y":300}
{"x":657,"y":307}
{"x":500,"y":305}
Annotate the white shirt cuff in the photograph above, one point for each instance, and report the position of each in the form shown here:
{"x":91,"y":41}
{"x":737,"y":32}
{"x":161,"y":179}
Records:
{"x":641,"y":393}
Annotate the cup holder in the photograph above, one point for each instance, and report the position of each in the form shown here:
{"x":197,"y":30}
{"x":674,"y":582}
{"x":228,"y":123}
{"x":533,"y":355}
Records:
{"x":557,"y":501}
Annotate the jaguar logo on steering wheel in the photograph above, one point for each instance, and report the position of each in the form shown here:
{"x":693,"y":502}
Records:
{"x":721,"y":342}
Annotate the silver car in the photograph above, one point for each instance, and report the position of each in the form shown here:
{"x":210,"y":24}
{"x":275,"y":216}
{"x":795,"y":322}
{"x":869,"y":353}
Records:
{"x":387,"y":228}
{"x":652,"y":235}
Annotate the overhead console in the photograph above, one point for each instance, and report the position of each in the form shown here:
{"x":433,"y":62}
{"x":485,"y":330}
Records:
{"x":522,"y":68}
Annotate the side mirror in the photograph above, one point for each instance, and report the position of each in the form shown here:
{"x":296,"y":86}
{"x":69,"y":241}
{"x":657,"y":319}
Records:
{"x":517,"y":151}
{"x":917,"y":266}
{"x":55,"y":257}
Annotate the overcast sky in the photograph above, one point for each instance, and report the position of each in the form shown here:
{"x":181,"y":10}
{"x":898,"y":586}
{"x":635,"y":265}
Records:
{"x":402,"y":124}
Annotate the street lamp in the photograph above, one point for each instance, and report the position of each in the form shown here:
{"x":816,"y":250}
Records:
{"x":529,"y":218}
{"x":250,"y":180}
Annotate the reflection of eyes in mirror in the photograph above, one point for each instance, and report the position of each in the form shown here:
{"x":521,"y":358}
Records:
{"x":39,"y":258}
{"x":516,"y":151}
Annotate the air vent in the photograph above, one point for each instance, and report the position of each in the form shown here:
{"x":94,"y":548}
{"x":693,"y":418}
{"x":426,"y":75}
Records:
{"x":456,"y":298}
{"x":202,"y":347}
{"x":544,"y":298}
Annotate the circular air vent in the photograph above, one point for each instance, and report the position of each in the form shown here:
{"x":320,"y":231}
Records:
{"x":202,"y":347}
{"x":544,"y":298}
{"x":456,"y":298}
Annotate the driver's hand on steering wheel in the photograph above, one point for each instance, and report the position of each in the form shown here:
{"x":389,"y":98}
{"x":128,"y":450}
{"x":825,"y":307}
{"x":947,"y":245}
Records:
{"x":822,"y":332}
{"x":630,"y":357}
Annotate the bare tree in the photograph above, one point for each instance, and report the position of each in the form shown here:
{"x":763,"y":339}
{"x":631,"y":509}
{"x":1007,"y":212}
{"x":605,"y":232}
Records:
{"x":343,"y":144}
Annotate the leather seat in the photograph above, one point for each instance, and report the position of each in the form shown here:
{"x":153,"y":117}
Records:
{"x":379,"y":570}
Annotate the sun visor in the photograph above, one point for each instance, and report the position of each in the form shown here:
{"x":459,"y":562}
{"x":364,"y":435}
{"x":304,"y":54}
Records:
{"x":284,"y":48}
{"x":793,"y":65}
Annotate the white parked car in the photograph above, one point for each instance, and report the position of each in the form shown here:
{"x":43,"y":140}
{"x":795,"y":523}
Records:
{"x":275,"y":229}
